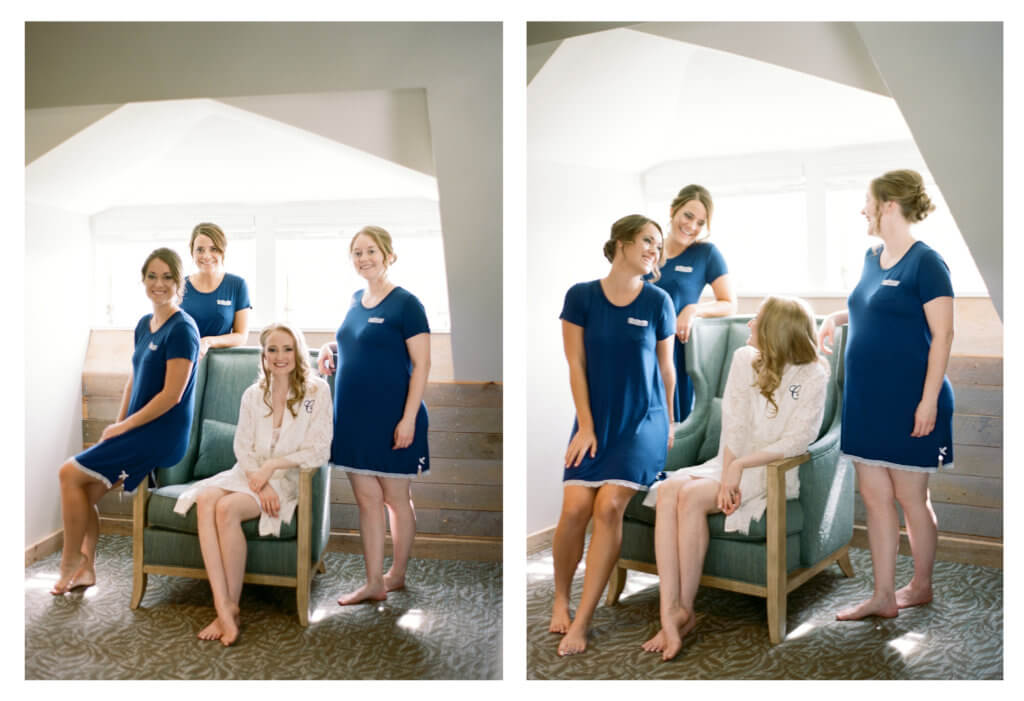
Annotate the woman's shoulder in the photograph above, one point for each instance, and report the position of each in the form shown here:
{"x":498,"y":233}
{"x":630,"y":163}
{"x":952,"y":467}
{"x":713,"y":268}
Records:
{"x":818,"y":370}
{"x":182,"y":322}
{"x":745,"y":355}
{"x":656,"y":293}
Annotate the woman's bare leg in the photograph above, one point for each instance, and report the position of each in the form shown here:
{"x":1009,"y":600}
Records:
{"x":85,"y":576}
{"x":76,"y":489}
{"x":209,"y":546}
{"x":609,"y":505}
{"x":911,"y":490}
{"x":876,"y":489}
{"x":695,"y":500}
{"x":402,"y":518}
{"x":231,"y":510}
{"x":567,"y":549}
{"x":370,"y":498}
{"x":666,"y":553}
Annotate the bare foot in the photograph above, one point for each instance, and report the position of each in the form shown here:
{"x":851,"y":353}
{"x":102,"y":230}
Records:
{"x":364,"y":593}
{"x":655,"y":644}
{"x":393,"y":582}
{"x":676,"y":623}
{"x":575,"y":640}
{"x":884,"y":608}
{"x":912,"y":595}
{"x":211,"y":632}
{"x":68,"y":568}
{"x":561,"y":618}
{"x":85,"y":576}
{"x":229,"y":626}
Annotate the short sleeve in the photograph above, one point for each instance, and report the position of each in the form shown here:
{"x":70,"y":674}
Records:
{"x":183,"y":341}
{"x":140,"y":328}
{"x":716,"y":266}
{"x":667,"y":317}
{"x":414,"y":318}
{"x":933,"y":277}
{"x":574,"y":308}
{"x":242,"y":296}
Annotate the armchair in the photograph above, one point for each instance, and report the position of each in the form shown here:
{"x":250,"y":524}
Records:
{"x":165,"y":543}
{"x":794,"y":539}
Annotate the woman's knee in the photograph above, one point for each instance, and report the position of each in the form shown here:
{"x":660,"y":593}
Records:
{"x":225,"y":514}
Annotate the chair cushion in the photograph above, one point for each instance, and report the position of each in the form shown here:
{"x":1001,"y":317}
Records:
{"x":160,"y":514}
{"x":216,"y":448}
{"x":636,"y":511}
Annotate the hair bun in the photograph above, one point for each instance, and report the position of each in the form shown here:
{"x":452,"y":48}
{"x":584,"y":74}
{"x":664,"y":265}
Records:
{"x":923,"y":206}
{"x":609,"y":249}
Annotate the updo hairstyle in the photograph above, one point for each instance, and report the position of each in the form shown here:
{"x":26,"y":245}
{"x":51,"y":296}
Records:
{"x":624,"y":231}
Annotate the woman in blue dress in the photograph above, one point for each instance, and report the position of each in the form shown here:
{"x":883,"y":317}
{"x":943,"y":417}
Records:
{"x":897,"y":401}
{"x":618,"y":334}
{"x":152,"y":424}
{"x":691,"y":263}
{"x":217,"y":300}
{"x":380,"y":420}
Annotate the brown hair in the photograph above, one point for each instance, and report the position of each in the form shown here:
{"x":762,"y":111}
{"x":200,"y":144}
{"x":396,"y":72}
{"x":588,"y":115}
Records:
{"x":906,"y":188}
{"x":694,"y":192}
{"x":173,"y":262}
{"x":380,"y":237}
{"x":215,"y":234}
{"x":297,"y":381}
{"x":785,"y":336}
{"x":624,"y":231}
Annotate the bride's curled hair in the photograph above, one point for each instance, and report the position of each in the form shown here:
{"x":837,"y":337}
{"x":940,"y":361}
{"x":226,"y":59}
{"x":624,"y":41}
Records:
{"x":786,"y":335}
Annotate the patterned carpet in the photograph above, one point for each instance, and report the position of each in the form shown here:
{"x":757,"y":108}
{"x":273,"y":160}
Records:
{"x":958,"y":636}
{"x":446,"y":624}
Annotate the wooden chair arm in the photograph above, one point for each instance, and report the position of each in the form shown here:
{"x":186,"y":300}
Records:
{"x":780,"y":467}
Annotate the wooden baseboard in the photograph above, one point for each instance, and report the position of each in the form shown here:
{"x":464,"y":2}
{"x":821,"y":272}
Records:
{"x":427,"y":546}
{"x":972,"y":550}
{"x":47,"y":546}
{"x":541,"y":540}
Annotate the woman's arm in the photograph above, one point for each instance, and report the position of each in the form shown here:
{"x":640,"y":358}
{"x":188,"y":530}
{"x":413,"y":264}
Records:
{"x":585,"y":439}
{"x":939,"y":315}
{"x":325,"y":358}
{"x":724,"y":305}
{"x":238,"y":336}
{"x":827,"y":332}
{"x":125,"y":398}
{"x":419,"y":354}
{"x":175,"y":381}
{"x":666,"y":351}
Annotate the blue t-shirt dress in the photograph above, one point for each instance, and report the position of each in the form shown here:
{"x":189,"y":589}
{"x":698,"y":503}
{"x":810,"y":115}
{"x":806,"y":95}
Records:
{"x":371,"y":386}
{"x":684,"y":278}
{"x":886,"y":362}
{"x":627,"y":393}
{"x":162,"y":442}
{"x":214,"y":312}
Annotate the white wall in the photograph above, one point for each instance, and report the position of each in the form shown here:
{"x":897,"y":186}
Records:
{"x":459,"y":65}
{"x":58,"y":258}
{"x":566,"y":205}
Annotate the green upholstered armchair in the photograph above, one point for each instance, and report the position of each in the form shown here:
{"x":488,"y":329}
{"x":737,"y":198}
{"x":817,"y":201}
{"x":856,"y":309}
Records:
{"x":793,"y":540}
{"x":166,"y":543}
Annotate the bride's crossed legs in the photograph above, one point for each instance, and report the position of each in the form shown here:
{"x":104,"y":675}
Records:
{"x":220,"y":514}
{"x":680,"y":543}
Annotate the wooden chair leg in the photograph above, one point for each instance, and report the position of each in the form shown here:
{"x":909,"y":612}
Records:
{"x":321,"y":568}
{"x":775,"y":558}
{"x":303,"y":570}
{"x":138,"y":540}
{"x":616,"y":583}
{"x":844,"y":562}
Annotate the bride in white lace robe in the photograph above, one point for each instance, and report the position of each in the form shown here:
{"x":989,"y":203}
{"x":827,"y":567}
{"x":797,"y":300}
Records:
{"x":780,"y":362}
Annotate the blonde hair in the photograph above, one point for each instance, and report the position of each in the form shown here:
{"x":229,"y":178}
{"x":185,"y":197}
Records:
{"x":380,"y":237}
{"x":906,"y":188}
{"x":299,"y":374}
{"x":211,"y":231}
{"x":786,"y":335}
{"x":624,"y":231}
{"x":173,"y":261}
{"x":694,"y":192}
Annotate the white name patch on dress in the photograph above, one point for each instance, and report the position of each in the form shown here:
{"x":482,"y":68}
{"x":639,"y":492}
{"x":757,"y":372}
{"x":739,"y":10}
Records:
{"x":224,"y":302}
{"x":891,"y":283}
{"x":376,"y":320}
{"x":637,"y":322}
{"x":152,"y":346}
{"x":684,"y":268}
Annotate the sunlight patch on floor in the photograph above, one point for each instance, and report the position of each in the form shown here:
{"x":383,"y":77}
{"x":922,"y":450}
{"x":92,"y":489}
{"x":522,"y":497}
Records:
{"x":906,"y":644}
{"x":412,"y":619}
{"x":800,"y":631}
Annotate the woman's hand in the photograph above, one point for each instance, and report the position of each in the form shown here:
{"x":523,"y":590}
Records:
{"x":325,"y":360}
{"x":404,"y":433}
{"x":924,"y":418}
{"x":259,"y":479}
{"x":114,"y":429}
{"x":269,"y":501}
{"x":827,"y":334}
{"x":671,"y":436}
{"x":578,"y":447}
{"x":204,"y":347}
{"x":684,"y":322}
{"x":729,"y":496}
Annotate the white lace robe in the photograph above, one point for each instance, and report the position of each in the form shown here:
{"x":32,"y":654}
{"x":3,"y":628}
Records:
{"x":748,"y":426}
{"x":304,"y":440}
